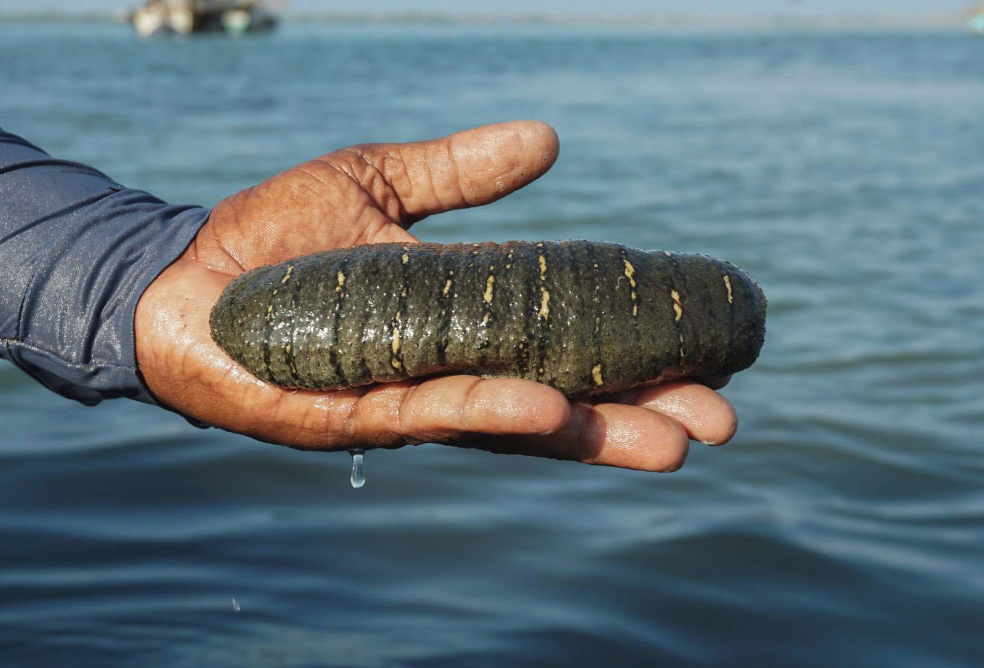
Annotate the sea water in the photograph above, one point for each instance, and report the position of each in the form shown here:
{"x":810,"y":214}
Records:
{"x":844,"y":525}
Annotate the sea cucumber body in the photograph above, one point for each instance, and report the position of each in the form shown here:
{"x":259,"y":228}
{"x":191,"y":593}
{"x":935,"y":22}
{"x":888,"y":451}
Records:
{"x":583,"y":317}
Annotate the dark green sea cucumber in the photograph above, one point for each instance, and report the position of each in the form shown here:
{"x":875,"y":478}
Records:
{"x":584,"y":317}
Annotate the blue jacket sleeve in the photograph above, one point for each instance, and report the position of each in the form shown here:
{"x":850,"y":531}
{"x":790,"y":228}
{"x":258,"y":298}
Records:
{"x":77,"y":250}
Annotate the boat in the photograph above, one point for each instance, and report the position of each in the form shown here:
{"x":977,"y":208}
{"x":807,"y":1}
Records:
{"x":975,"y":20}
{"x":185,"y":17}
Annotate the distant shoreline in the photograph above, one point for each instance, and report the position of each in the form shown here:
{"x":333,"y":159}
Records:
{"x":846,"y":22}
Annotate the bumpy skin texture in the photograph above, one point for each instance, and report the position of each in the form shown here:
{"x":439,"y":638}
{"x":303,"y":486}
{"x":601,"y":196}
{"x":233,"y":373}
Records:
{"x":583,"y":317}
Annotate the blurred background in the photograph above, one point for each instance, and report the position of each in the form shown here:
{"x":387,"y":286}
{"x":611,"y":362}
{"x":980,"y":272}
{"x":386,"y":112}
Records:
{"x":834,"y":150}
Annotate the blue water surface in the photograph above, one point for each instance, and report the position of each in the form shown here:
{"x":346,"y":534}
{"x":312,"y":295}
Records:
{"x":843,"y":526}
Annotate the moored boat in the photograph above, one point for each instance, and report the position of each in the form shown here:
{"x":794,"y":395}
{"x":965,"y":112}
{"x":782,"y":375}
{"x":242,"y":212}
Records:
{"x":975,"y":20}
{"x":184,"y":17}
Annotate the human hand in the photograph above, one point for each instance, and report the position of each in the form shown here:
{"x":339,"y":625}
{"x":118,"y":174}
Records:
{"x":373,"y":194}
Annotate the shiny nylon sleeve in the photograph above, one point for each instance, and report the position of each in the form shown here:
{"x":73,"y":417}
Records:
{"x":77,"y":250}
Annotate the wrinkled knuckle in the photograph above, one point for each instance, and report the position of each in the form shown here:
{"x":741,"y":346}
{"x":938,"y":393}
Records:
{"x":469,"y":402}
{"x":457,"y":174}
{"x":393,"y":165}
{"x":353,"y":162}
{"x":405,"y":412}
{"x":354,"y":418}
{"x":322,"y":425}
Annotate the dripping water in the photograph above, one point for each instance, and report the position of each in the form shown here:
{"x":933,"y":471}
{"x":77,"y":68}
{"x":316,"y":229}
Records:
{"x":358,"y":478}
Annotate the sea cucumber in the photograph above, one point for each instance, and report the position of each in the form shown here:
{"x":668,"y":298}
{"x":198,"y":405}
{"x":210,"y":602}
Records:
{"x":581,"y":316}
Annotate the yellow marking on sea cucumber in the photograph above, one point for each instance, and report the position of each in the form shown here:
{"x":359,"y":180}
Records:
{"x":341,"y":281}
{"x":396,"y":348}
{"x":406,"y":258}
{"x":629,"y":272}
{"x":677,"y":306}
{"x":488,"y":289}
{"x":543,"y":268}
{"x":275,"y":292}
{"x":508,"y":266}
{"x":596,"y":374}
{"x":287,"y":349}
{"x":269,"y":315}
{"x":290,"y":269}
{"x":447,"y":288}
{"x":727,"y":283}
{"x":404,"y":293}
{"x":544,"y":303}
{"x":485,"y":320}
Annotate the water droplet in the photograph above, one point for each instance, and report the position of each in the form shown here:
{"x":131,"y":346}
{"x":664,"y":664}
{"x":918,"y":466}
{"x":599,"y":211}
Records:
{"x":358,"y":478}
{"x":235,"y":605}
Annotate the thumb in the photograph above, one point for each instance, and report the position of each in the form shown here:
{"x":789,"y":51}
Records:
{"x":469,"y":168}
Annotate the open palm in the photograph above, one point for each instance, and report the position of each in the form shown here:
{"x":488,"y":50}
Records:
{"x":373,"y":194}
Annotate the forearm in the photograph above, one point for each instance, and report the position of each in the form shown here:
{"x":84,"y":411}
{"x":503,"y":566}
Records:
{"x":77,"y":250}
